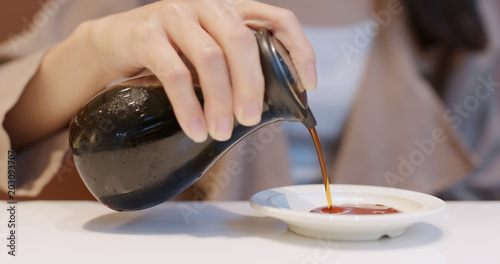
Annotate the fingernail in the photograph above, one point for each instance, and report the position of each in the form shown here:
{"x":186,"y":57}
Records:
{"x":223,"y":128}
{"x":197,"y":130}
{"x":311,"y":77}
{"x":252,"y":114}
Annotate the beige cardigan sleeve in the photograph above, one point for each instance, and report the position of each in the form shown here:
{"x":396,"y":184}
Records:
{"x":14,"y":76}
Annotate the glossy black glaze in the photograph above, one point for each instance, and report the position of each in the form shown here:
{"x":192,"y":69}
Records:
{"x":131,"y":152}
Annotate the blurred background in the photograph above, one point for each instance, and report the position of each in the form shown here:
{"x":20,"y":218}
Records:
{"x":15,"y":14}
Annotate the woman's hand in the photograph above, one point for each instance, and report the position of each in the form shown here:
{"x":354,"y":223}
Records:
{"x":216,"y":37}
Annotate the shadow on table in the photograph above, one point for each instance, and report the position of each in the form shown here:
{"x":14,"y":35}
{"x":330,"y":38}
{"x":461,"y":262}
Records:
{"x":210,"y":221}
{"x":213,"y":221}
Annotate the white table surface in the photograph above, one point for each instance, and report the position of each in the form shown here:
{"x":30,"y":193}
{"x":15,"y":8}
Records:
{"x":232,"y":232}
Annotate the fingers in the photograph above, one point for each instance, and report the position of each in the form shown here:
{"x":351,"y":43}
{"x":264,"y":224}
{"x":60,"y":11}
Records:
{"x":225,"y":54}
{"x":210,"y":62}
{"x":242,"y":55}
{"x":162,"y":59}
{"x":286,"y":27}
{"x":213,"y":35}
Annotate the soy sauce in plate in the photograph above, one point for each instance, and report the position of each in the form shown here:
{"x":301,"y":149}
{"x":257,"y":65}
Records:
{"x":356,"y":209}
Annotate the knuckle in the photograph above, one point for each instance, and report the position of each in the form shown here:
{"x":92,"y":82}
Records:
{"x":218,"y":4}
{"x":212,"y":2}
{"x":175,"y":75}
{"x":241,"y":35}
{"x":287,"y":16}
{"x":210,"y":55}
{"x":173,"y":9}
{"x":143,"y":31}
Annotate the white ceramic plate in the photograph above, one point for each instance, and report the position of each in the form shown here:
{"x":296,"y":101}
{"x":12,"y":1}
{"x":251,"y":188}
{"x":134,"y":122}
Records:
{"x":292,"y":204}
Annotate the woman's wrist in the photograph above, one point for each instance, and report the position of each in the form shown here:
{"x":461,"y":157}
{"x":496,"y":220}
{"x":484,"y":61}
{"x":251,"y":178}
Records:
{"x":86,"y":65}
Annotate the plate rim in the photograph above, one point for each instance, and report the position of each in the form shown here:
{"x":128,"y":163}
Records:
{"x":431,"y":204}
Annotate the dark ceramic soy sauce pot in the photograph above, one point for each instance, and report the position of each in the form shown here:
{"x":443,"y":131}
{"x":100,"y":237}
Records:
{"x":132,"y":154}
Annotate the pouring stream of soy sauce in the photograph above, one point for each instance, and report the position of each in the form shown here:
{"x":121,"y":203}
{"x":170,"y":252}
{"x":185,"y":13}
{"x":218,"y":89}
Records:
{"x":321,"y":158}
